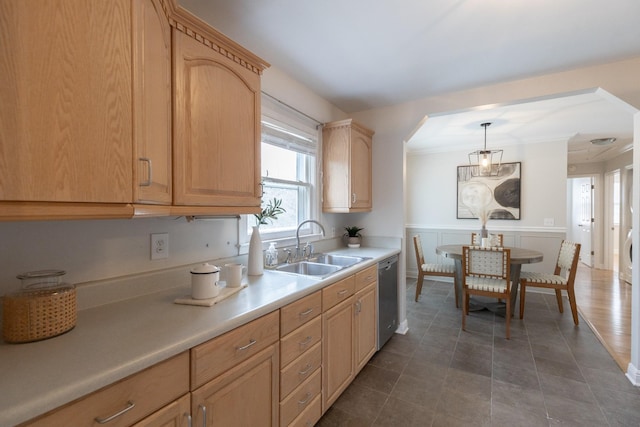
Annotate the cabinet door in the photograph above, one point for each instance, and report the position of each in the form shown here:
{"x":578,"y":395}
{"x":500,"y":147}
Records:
{"x":337,"y":351}
{"x":152,"y":103}
{"x":175,"y":414}
{"x":66,"y":119}
{"x":360,"y":170}
{"x":347,"y":155}
{"x":216,"y":129}
{"x":365,"y":324}
{"x":246,"y":395}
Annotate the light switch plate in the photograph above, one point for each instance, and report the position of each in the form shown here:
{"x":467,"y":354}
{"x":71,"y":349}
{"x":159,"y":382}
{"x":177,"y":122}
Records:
{"x":549,"y":222}
{"x":159,"y":245}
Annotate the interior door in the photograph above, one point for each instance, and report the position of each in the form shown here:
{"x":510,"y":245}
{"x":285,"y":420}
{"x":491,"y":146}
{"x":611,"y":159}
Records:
{"x":586,"y":220}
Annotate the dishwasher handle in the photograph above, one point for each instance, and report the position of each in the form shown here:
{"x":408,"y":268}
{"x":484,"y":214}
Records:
{"x":388,"y":263}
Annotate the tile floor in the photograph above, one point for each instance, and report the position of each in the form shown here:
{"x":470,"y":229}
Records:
{"x":549,"y":374}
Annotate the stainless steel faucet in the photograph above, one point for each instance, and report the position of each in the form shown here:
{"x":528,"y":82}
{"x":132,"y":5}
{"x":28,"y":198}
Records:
{"x":298,"y":234}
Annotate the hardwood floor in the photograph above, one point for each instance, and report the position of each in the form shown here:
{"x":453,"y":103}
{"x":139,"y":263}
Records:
{"x":604,"y":301}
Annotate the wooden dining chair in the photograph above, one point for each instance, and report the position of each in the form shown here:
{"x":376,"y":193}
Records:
{"x":563,"y":277}
{"x":424,"y":269}
{"x":486,"y":272}
{"x":494,"y":239}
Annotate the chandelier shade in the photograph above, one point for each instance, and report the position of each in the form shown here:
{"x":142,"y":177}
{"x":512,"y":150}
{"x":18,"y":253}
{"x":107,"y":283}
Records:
{"x":485,"y":162}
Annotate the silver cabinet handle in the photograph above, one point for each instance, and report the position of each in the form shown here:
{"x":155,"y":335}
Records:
{"x":306,"y":370}
{"x":353,"y":198}
{"x":130,"y":406}
{"x":188,"y":416}
{"x":306,"y":341}
{"x":306,"y":313}
{"x":251,"y":342}
{"x":342,"y":292}
{"x":147,"y":183}
{"x":203,"y":409}
{"x":358,"y":307}
{"x":306,"y":399}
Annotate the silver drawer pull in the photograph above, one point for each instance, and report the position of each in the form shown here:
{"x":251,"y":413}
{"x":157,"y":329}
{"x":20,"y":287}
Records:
{"x":306,"y":313}
{"x":342,"y":292}
{"x":244,"y":347}
{"x":306,"y":370}
{"x":130,"y":406}
{"x":306,"y":341}
{"x":188,"y":417}
{"x":306,"y":399}
{"x":204,"y":415}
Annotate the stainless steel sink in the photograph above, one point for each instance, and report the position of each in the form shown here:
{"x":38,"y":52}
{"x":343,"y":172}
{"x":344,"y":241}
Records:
{"x":341,"y":260}
{"x":307,"y":268}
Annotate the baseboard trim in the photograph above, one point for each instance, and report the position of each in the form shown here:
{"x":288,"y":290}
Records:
{"x":633,"y":375}
{"x":403,"y":328}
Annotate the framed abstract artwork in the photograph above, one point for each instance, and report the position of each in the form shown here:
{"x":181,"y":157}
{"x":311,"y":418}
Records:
{"x":496,"y":196}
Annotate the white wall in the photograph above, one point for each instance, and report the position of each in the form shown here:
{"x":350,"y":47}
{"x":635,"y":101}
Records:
{"x":432,"y":188}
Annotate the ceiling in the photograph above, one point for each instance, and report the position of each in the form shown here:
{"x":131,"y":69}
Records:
{"x":576,"y":118}
{"x":360,"y":54}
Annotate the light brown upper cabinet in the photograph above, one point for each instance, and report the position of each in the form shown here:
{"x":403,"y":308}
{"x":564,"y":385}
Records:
{"x":346,"y":163}
{"x":95,"y":122}
{"x":217,"y":127}
{"x":151,"y":103}
{"x":66,"y":94}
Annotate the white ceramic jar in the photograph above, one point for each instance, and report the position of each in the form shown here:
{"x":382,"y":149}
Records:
{"x":204,"y":281}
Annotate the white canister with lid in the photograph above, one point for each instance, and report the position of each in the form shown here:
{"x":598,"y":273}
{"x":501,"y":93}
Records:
{"x":204,"y":281}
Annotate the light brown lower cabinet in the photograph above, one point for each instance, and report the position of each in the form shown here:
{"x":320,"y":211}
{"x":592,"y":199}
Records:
{"x":246,"y":395}
{"x":301,"y":361}
{"x":366,"y":316}
{"x":337,"y":345}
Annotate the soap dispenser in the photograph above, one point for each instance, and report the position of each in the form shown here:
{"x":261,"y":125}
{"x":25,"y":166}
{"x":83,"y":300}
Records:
{"x":272,"y":255}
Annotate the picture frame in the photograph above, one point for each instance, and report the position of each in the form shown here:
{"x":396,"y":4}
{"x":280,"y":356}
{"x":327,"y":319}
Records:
{"x":498,"y":195}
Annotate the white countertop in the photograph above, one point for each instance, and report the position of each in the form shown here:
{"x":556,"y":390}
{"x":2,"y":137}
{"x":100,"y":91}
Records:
{"x":113,"y":341}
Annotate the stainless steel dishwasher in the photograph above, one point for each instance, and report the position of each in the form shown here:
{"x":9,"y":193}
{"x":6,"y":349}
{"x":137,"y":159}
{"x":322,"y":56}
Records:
{"x":387,"y":299}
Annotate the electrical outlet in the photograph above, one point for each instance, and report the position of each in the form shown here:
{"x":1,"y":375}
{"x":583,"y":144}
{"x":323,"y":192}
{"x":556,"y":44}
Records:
{"x":160,"y":245}
{"x":549,"y":222}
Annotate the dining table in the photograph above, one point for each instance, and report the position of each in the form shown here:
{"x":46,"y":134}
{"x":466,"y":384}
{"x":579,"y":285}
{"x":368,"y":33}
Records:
{"x":519,"y":256}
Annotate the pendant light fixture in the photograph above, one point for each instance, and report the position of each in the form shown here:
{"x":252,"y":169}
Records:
{"x":485,"y":162}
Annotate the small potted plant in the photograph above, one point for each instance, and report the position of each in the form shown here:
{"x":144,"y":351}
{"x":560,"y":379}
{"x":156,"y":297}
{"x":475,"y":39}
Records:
{"x":353,"y":236}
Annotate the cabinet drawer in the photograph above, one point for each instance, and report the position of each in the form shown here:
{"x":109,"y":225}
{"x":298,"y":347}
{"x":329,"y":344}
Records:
{"x":311,"y":415}
{"x":175,"y":414}
{"x":366,"y":276}
{"x":300,"y":369}
{"x":300,"y":312}
{"x":300,"y":340}
{"x":144,"y":392}
{"x":299,"y":399}
{"x":214,"y":357}
{"x":339,"y":291}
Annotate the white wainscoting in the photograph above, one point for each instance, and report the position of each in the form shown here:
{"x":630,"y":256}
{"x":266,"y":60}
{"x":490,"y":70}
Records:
{"x":544,"y":240}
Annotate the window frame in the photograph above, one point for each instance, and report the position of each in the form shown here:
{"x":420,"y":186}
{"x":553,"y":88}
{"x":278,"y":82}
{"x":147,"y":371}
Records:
{"x":291,"y":121}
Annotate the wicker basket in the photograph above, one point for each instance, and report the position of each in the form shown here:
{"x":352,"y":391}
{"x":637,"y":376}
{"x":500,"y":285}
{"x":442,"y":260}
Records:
{"x":38,"y":314}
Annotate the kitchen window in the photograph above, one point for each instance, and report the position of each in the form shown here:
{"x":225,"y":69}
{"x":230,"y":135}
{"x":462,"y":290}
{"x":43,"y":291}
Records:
{"x":289,"y":155}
